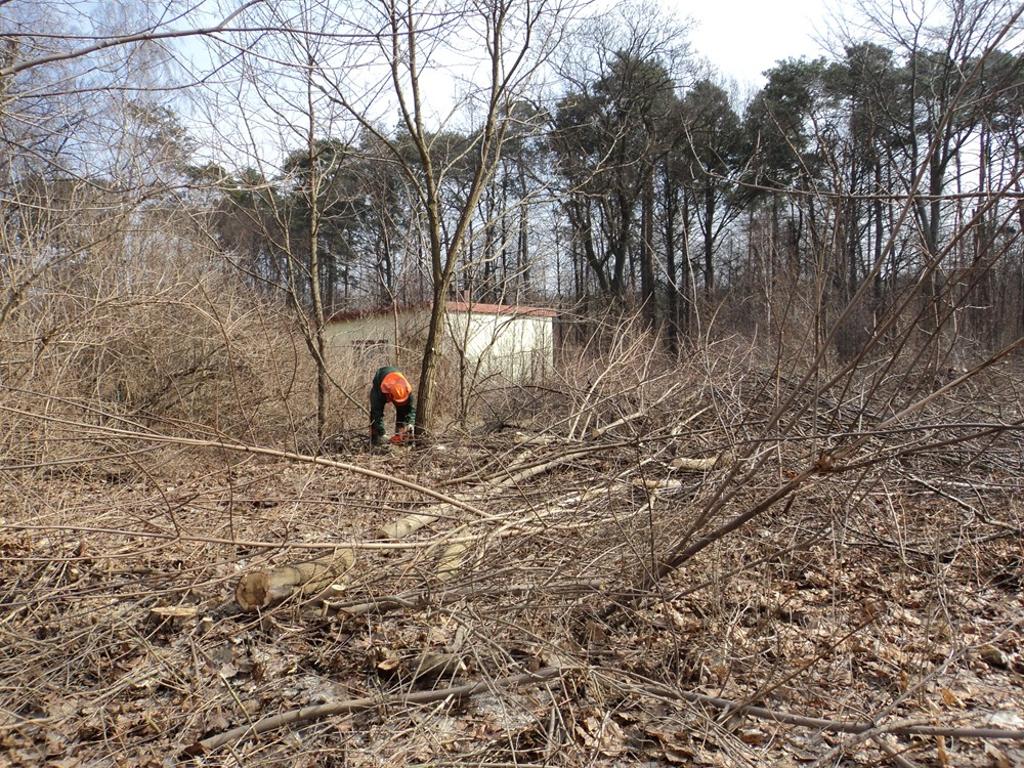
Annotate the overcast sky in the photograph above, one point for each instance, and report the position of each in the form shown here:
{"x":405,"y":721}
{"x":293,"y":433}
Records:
{"x":742,"y":38}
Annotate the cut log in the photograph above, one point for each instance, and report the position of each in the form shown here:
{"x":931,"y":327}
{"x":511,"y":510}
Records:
{"x":409,"y":524}
{"x":260,"y":589}
{"x":695,"y":465}
{"x":427,"y":665}
{"x":655,"y":484}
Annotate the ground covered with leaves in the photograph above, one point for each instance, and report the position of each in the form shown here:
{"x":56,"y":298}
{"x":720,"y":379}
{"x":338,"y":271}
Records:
{"x":580,"y":595}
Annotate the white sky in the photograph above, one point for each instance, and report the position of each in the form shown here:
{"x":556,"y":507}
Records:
{"x":742,"y":38}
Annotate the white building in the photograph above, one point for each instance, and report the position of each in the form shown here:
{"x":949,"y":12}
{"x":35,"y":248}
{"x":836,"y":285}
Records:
{"x":515,"y":343}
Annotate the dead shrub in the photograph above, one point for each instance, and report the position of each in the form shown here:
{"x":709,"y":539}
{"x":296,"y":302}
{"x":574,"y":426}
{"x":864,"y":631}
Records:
{"x":149,"y":329}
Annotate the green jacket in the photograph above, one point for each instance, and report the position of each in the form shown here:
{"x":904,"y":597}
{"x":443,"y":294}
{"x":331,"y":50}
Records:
{"x":405,"y":414}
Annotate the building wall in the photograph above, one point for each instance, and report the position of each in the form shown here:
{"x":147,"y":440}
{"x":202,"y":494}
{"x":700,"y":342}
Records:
{"x":515,"y":347}
{"x":369,"y":342}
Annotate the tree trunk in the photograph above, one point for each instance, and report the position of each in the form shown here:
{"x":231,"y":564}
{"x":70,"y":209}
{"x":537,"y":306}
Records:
{"x":524,"y":231}
{"x":647,"y":286}
{"x":709,"y":241}
{"x":686,"y":290}
{"x":489,"y":288}
{"x":505,"y":239}
{"x":879,"y":238}
{"x":619,"y":246}
{"x":331,"y":287}
{"x":320,"y":355}
{"x":670,"y":266}
{"x":435,"y":335}
{"x":583,"y":235}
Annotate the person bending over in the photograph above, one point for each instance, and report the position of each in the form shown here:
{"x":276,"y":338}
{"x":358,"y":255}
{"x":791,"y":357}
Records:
{"x":390,"y":386}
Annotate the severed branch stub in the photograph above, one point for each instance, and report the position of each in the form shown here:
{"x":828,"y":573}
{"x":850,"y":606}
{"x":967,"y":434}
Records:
{"x":451,"y":560}
{"x":689,"y":464}
{"x":411,"y":523}
{"x":261,"y":589}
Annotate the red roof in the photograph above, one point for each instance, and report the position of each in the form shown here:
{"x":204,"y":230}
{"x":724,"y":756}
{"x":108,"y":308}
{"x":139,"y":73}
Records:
{"x":451,"y":306}
{"x":499,"y":309}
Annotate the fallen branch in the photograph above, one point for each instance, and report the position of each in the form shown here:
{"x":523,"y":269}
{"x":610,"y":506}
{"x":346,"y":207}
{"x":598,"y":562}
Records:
{"x":409,"y":524}
{"x":683,"y":553}
{"x":835,"y":726}
{"x":306,"y":714}
{"x":687,"y":464}
{"x":156,"y":437}
{"x":893,"y":755}
{"x":601,"y":431}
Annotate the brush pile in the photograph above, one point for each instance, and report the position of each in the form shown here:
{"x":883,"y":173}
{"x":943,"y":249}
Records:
{"x":712,"y":564}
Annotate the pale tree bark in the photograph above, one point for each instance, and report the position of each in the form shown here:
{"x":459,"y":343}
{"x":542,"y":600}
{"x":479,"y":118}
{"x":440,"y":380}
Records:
{"x":316,"y":294}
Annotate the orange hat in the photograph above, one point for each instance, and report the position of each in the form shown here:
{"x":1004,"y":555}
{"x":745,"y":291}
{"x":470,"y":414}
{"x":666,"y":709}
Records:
{"x":395,"y":388}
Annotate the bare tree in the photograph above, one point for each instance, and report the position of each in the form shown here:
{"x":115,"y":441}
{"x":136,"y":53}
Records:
{"x":288,"y":150}
{"x":495,"y":48}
